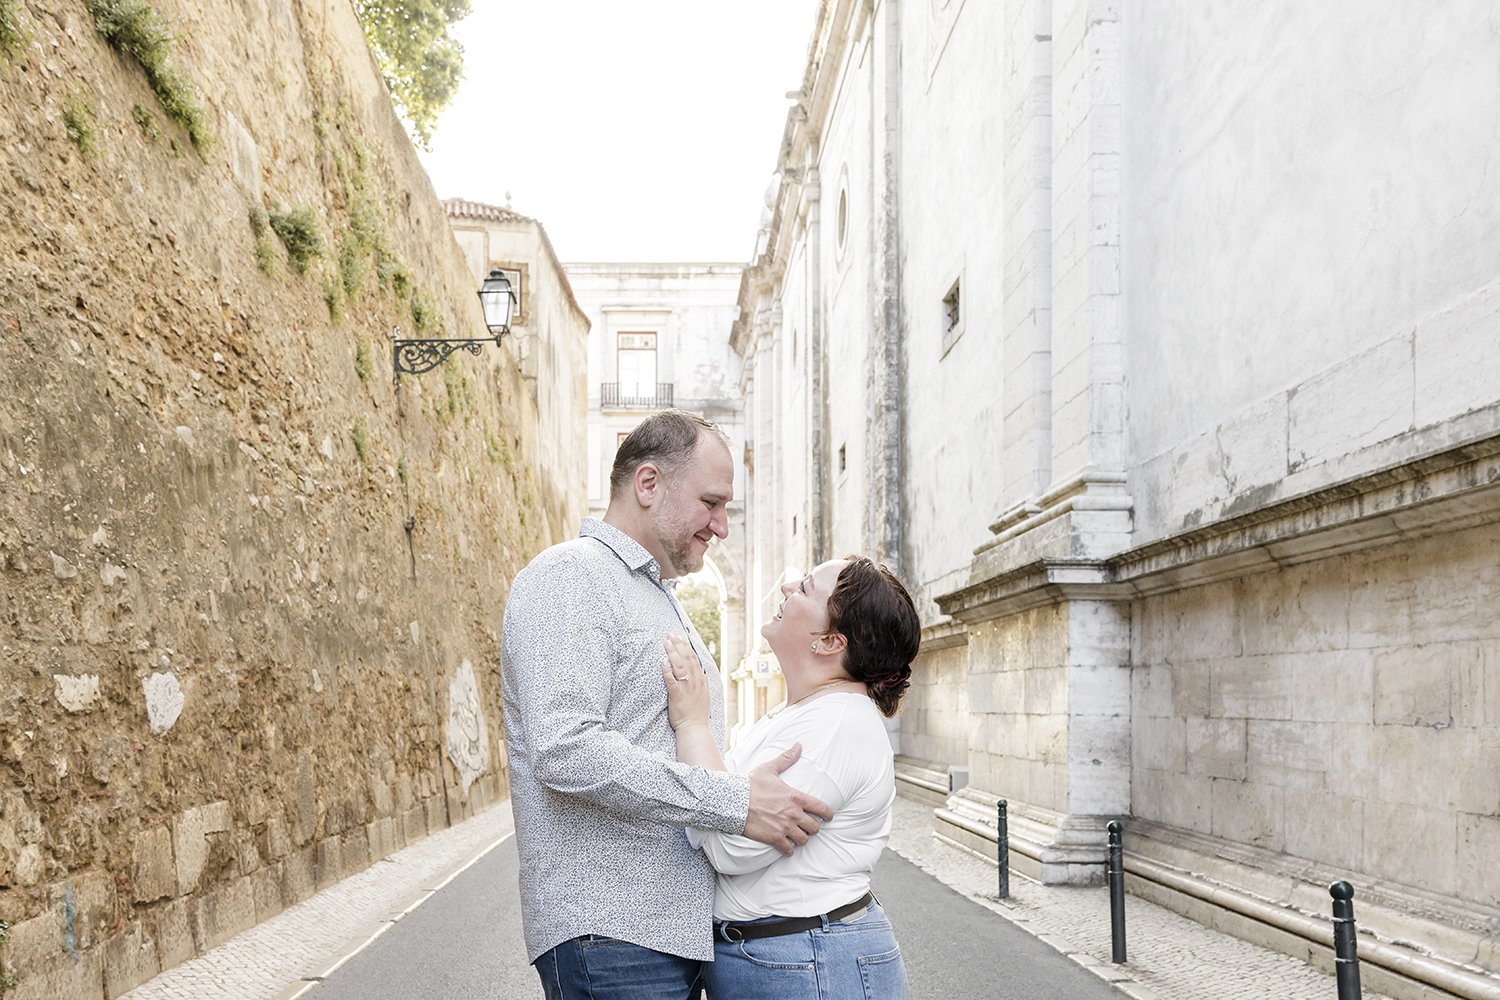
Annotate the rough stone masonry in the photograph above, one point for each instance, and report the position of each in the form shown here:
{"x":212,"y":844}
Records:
{"x":249,"y":590}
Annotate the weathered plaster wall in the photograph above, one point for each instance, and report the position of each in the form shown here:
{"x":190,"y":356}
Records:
{"x":690,"y":307}
{"x":845,"y":164}
{"x":550,"y":339}
{"x":283,"y":575}
{"x":1373,"y":329}
{"x":955,"y":400}
{"x":1339,"y":711}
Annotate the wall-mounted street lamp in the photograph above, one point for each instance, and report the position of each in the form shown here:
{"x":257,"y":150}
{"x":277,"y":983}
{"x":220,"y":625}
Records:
{"x":415,"y":355}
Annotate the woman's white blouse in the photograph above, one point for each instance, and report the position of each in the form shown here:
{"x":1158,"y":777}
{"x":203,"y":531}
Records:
{"x":846,"y":762}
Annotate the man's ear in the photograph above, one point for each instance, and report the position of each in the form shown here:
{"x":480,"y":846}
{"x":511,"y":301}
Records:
{"x":649,"y":483}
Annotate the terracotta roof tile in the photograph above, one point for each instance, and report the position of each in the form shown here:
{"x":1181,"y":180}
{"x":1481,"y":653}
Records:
{"x":459,"y":208}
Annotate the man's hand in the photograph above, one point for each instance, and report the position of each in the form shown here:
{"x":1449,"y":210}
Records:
{"x":779,"y":814}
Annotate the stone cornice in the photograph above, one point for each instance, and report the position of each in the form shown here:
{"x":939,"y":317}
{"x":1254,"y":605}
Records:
{"x":1445,"y":491}
{"x":944,"y":635}
{"x":1037,"y":584}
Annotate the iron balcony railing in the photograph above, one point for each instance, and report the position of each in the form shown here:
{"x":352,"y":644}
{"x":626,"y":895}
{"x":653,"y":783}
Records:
{"x":630,"y":396}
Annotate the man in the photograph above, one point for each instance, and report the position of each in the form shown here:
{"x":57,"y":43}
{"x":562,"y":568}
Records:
{"x":614,"y":901}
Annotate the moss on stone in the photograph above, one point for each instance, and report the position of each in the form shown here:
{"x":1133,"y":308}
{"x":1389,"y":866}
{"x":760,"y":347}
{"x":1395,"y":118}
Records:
{"x":497,"y":448}
{"x":333,"y":298}
{"x":354,"y":265}
{"x":134,"y":29}
{"x":298,"y":231}
{"x":460,"y":389}
{"x":146,"y":122}
{"x":265,"y":253}
{"x":362,"y":364}
{"x":11,"y":35}
{"x":361,"y":443}
{"x":424,"y":312}
{"x":79,"y":123}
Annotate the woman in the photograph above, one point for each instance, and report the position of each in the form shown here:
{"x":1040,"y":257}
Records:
{"x":845,"y":636}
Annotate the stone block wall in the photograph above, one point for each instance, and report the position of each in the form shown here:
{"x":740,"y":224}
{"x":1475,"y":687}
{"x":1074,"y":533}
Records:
{"x":1337,"y":711}
{"x":250,"y":591}
{"x":1017,"y":695}
{"x":935,"y":709}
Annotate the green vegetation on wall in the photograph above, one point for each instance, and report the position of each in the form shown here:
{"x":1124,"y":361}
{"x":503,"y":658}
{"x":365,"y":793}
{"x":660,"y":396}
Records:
{"x":460,"y":390}
{"x":420,"y":59}
{"x":8,"y":980}
{"x":298,"y":231}
{"x":134,"y":29}
{"x":424,"y":312}
{"x":78,"y":122}
{"x":11,"y":35}
{"x":260,"y":225}
{"x":145,"y":121}
{"x":361,"y":442}
{"x":334,"y":300}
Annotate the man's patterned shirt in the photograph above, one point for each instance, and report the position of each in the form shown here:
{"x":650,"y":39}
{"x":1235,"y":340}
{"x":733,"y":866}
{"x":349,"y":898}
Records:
{"x":600,"y":799}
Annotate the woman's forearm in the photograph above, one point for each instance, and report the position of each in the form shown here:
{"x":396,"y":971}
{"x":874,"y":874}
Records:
{"x":696,"y":745}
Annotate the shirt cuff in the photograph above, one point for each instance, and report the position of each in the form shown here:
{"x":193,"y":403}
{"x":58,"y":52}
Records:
{"x":729,"y":806}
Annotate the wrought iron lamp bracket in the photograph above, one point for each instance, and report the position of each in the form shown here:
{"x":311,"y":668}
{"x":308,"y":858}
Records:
{"x":416,"y":355}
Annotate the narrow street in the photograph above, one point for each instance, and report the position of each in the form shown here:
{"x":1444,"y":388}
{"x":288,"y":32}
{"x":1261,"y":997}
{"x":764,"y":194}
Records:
{"x":465,"y":944}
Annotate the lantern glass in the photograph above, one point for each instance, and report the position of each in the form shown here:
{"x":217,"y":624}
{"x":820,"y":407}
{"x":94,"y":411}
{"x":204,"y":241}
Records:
{"x":498,"y":299}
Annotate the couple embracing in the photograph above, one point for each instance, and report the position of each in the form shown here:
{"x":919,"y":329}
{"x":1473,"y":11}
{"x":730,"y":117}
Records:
{"x":652,"y":866}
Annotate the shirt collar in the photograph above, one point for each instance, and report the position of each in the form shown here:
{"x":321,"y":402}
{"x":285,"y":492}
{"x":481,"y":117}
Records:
{"x":631,"y":552}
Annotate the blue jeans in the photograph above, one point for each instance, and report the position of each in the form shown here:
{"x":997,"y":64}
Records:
{"x":594,"y":967}
{"x":851,"y":959}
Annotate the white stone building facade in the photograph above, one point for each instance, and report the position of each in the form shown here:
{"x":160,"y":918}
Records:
{"x":1157,"y":347}
{"x":549,"y":336}
{"x":659,"y":337}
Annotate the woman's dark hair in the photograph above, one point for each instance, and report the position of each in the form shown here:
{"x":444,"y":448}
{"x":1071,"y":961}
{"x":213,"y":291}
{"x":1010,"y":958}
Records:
{"x":875,"y":614}
{"x":667,"y":439}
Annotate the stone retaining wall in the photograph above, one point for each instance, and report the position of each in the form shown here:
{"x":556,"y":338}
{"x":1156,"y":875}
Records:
{"x":250,"y":591}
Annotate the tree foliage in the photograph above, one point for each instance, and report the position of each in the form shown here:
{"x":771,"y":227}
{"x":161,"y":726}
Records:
{"x":420,"y":59}
{"x":701,"y":602}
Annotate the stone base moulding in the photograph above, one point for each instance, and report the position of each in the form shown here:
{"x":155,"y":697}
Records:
{"x":921,"y":781}
{"x":1282,"y":903}
{"x":1258,"y":896}
{"x":1046,"y":846}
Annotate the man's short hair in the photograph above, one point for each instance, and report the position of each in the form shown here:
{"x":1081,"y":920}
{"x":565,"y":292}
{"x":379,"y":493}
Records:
{"x":666,"y":439}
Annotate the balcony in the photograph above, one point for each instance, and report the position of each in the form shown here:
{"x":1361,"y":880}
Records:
{"x":630,"y":396}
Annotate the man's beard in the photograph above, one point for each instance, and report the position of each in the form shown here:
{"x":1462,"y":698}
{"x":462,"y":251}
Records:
{"x":684,"y":559}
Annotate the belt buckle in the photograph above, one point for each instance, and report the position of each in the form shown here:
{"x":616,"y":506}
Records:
{"x":730,"y":933}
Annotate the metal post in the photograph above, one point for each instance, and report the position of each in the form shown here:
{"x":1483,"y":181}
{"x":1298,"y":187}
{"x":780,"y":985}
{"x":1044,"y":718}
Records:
{"x":1345,"y":947}
{"x":1002,"y":847}
{"x":1115,"y":870}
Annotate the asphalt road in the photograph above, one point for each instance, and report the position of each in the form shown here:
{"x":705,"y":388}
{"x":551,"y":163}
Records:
{"x":465,"y":944}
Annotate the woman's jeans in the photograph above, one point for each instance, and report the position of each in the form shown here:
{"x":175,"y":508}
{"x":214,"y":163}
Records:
{"x":848,"y":959}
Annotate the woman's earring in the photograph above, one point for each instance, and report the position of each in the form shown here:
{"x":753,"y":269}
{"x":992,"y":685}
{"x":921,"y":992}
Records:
{"x":814,"y":648}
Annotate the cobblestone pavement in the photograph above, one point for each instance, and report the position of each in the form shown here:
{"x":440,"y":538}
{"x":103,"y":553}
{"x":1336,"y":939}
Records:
{"x":1171,"y":957}
{"x":289,"y":953}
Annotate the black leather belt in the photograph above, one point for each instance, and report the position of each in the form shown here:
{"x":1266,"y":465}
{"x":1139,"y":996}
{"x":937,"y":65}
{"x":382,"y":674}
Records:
{"x":732,"y":930}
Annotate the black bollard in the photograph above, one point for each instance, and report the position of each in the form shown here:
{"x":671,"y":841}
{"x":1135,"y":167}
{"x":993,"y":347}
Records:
{"x":1002,"y":847}
{"x":1115,"y":868}
{"x":1345,"y":946}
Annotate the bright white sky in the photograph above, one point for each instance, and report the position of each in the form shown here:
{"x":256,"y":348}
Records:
{"x":643,"y":131}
